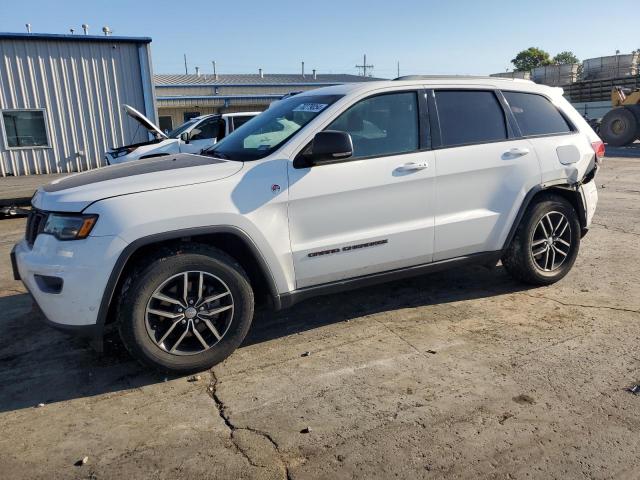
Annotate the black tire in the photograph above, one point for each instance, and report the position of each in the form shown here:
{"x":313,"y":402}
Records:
{"x":619,"y":127}
{"x":151,"y":274}
{"x":518,"y":259}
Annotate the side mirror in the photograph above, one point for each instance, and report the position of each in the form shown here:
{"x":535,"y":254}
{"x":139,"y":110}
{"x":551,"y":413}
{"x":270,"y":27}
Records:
{"x":330,"y":146}
{"x":185,"y":137}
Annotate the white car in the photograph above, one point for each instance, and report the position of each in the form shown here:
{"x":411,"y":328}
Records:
{"x":330,"y":189}
{"x":193,"y":136}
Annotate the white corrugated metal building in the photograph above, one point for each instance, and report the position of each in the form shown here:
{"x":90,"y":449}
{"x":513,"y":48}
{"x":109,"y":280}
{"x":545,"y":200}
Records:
{"x":61,"y":97}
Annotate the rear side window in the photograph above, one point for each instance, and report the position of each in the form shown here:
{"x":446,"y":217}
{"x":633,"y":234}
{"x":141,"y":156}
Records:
{"x":470,"y":116}
{"x":382,"y":125}
{"x":238,"y":121}
{"x":535,"y":114}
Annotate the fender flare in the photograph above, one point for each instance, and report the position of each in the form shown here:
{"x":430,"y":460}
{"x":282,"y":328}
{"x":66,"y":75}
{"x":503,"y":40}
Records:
{"x":574,"y":190}
{"x":130,"y":249}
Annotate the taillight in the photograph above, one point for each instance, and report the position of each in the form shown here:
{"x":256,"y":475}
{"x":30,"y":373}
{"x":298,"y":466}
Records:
{"x":598,"y":148}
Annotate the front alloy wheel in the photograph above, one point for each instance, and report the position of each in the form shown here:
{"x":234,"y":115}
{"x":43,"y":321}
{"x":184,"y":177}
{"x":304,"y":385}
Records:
{"x":185,"y":308}
{"x":189,"y":313}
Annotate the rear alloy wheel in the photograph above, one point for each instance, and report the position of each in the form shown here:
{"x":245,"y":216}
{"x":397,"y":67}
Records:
{"x":546,"y":242}
{"x":551,"y":242}
{"x":185,"y":309}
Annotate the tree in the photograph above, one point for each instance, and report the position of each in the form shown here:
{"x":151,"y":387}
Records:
{"x":565,"y":58}
{"x":531,"y":58}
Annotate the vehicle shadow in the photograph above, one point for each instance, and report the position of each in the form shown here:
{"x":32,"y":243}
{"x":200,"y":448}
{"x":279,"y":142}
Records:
{"x":466,"y":283}
{"x":41,"y":365}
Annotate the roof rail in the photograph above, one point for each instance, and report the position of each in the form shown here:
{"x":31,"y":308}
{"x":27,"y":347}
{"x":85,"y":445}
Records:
{"x":456,"y":77}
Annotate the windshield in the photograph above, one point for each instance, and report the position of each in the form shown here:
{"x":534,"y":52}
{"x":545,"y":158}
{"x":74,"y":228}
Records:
{"x":265,"y":133}
{"x":175,"y":133}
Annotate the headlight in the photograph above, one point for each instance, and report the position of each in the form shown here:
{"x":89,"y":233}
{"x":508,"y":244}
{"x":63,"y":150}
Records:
{"x":69,"y":227}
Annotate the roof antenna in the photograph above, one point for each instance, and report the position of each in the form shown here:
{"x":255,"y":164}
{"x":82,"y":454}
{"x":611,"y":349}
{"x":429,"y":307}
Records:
{"x":106,"y":30}
{"x":28,"y":25}
{"x":71,"y":30}
{"x":85,"y":27}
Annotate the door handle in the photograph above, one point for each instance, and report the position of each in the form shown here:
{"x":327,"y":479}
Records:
{"x":517,"y":151}
{"x":412,"y":167}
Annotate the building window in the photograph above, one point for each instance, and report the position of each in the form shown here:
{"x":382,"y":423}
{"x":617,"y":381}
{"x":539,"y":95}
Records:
{"x":189,"y":115}
{"x":25,"y":128}
{"x":166,"y":123}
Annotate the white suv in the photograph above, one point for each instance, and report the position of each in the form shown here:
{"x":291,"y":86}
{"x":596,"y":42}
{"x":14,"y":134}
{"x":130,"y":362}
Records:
{"x":330,"y":189}
{"x":193,"y":136}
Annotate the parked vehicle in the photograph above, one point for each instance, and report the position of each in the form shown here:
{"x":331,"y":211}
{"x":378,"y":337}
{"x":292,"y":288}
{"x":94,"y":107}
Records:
{"x":621,"y":125}
{"x":331,"y":189}
{"x":193,"y":136}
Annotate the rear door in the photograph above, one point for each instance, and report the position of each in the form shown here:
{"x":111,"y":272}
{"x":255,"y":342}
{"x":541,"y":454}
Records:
{"x":374,"y":211}
{"x":562,"y":151}
{"x":484,"y":170}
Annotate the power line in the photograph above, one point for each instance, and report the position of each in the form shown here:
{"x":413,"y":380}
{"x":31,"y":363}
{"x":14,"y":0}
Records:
{"x":364,"y":66}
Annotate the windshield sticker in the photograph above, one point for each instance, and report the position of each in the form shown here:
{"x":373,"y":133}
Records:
{"x":310,"y":107}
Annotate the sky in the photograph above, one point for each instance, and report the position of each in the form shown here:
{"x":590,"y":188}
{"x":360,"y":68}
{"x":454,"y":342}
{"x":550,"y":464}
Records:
{"x":426,"y":37}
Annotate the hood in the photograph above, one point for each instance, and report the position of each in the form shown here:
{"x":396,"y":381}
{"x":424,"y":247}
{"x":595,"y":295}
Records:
{"x":76,"y":192}
{"x":144,"y":121}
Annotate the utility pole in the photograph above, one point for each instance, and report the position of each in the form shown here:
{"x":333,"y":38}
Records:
{"x":364,"y":66}
{"x":186,"y":70}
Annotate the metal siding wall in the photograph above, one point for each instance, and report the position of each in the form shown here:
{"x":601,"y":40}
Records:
{"x":82,"y":86}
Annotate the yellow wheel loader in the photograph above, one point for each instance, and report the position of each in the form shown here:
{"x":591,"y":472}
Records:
{"x":621,"y":125}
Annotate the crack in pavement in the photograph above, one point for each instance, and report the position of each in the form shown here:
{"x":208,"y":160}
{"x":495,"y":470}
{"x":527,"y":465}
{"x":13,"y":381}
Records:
{"x":615,"y":229}
{"x":579,"y":305}
{"x":220,"y":406}
{"x":388,"y":328}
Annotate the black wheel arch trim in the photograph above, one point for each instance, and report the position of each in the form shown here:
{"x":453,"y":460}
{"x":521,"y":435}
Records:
{"x":573,"y":189}
{"x":130,"y":249}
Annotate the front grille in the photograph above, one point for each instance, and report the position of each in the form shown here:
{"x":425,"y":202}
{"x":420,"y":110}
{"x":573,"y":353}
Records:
{"x":35,"y":224}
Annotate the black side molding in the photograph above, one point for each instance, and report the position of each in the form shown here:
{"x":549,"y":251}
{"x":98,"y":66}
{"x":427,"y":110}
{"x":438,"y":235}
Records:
{"x":291,"y":298}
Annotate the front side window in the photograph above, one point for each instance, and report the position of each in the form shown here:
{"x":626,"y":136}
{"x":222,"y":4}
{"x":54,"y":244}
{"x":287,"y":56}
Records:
{"x":535,"y":114}
{"x":264,"y":134}
{"x":176,"y":132}
{"x":206,"y":129}
{"x":470,"y":116}
{"x":382,"y":125}
{"x":25,"y":128}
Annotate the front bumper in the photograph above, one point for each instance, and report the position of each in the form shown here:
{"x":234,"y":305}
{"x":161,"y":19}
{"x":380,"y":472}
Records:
{"x":83,"y":268}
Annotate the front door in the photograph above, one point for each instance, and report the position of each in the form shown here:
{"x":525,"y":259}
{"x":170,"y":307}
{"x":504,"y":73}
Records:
{"x":203,"y":135}
{"x":373,"y":212}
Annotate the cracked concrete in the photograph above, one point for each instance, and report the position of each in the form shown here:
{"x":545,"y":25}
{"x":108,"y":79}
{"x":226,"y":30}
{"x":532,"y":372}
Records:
{"x":256,"y":446}
{"x":461,"y":374}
